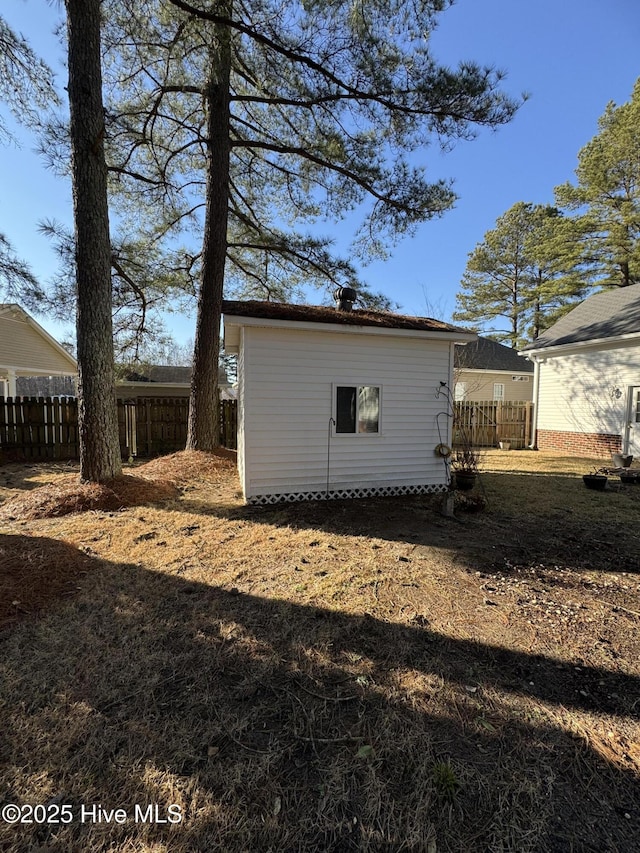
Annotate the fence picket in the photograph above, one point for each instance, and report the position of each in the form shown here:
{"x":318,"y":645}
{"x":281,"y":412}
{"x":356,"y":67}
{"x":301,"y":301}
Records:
{"x":42,"y":428}
{"x":486,"y":423}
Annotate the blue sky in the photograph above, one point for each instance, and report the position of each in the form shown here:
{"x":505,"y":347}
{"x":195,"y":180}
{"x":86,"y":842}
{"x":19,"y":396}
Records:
{"x":572,"y":57}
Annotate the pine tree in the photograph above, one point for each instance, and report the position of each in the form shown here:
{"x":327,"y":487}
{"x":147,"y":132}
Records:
{"x":17,"y":281}
{"x":97,"y":419}
{"x":26,"y":88}
{"x":269,"y":114}
{"x":523,"y":276}
{"x":26,"y":82}
{"x":606,"y":198}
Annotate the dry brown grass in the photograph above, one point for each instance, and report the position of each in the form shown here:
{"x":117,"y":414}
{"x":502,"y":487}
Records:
{"x":153,"y":482}
{"x":35,"y":572}
{"x":335,"y":676}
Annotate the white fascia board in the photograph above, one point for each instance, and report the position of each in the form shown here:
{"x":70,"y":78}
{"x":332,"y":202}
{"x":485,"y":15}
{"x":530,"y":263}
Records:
{"x":483,"y":370}
{"x":130,"y":383}
{"x":579,"y":346}
{"x":232,"y":322}
{"x":34,"y":371}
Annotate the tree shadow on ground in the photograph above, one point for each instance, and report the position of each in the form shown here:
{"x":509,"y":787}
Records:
{"x":28,"y":476}
{"x":556,"y":532}
{"x":278,"y":726}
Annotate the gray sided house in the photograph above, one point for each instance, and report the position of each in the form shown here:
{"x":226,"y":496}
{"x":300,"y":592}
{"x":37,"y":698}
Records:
{"x":487,"y":370}
{"x":587,"y":377}
{"x":163,"y":380}
{"x":27,"y":350}
{"x":336,"y":403}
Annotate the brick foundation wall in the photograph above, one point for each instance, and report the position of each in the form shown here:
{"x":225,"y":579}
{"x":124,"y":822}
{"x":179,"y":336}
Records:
{"x":579,"y":443}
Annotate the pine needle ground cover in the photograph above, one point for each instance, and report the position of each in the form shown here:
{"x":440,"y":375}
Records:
{"x":186,"y":673}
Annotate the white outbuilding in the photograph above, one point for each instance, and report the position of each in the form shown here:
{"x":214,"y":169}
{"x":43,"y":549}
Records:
{"x":339,"y":403}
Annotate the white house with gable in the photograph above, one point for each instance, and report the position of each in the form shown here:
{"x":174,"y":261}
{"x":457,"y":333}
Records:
{"x":334,"y":402}
{"x":587,"y":377}
{"x":26,"y":349}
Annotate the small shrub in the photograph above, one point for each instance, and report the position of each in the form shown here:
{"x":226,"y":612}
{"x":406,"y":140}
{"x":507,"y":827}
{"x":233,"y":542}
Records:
{"x":445,"y":780}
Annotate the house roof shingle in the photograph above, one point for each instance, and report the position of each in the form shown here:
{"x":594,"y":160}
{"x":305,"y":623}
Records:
{"x":609,"y":314}
{"x":164,"y":373}
{"x":485,"y":354}
{"x":322,"y":314}
{"x":167,"y":374}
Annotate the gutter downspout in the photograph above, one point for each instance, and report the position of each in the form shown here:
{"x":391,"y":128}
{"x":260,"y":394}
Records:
{"x":536,"y":395}
{"x":628,"y":421}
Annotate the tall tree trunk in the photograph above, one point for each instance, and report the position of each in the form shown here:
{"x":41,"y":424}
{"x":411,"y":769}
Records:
{"x":203,"y":429}
{"x":537,"y":308}
{"x":97,"y":417}
{"x":515,"y":316}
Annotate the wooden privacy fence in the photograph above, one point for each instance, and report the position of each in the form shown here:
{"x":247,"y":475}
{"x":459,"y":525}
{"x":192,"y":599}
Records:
{"x":486,"y":423}
{"x":39,"y":428}
{"x":228,"y":414}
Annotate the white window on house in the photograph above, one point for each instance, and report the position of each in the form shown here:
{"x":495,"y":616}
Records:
{"x":498,"y":390}
{"x":357,"y":408}
{"x":459,"y":391}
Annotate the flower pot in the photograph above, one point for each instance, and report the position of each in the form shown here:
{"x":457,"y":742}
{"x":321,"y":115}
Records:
{"x":632,"y":477}
{"x":620,"y":460}
{"x":504,"y":445}
{"x":597,"y":482}
{"x":465,"y":480}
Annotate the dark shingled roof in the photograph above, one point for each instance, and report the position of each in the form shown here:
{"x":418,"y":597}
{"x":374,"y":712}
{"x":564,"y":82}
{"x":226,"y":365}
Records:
{"x":167,"y":374}
{"x":320,"y":314}
{"x":164,"y":373}
{"x":604,"y":315}
{"x":485,"y":354}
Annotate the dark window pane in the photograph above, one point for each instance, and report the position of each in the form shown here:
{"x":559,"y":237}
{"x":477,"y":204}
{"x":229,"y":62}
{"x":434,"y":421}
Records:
{"x":368,"y":408}
{"x":345,"y":409}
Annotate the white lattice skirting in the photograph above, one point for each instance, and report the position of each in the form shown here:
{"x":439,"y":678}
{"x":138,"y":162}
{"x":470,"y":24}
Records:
{"x":346,"y":494}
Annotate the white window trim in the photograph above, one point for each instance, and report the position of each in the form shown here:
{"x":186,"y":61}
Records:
{"x":495,"y":396}
{"x":356,"y":434}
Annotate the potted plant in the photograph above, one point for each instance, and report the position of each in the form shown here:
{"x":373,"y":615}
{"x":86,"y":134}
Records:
{"x":465,"y":464}
{"x":596,"y":479}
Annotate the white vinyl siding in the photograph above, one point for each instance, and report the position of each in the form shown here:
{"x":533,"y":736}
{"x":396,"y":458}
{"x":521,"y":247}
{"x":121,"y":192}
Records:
{"x":240,"y":429}
{"x":578,"y":391}
{"x":289,"y":383}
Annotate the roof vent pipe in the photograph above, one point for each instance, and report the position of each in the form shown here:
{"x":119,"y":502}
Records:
{"x":344,"y":297}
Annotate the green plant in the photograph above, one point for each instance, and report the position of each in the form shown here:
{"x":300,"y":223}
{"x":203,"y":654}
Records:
{"x":445,"y":780}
